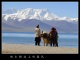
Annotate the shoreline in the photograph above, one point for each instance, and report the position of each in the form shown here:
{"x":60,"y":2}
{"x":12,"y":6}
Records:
{"x":30,"y":49}
{"x":31,"y":44}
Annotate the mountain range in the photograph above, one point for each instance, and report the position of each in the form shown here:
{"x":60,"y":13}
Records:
{"x":25,"y":20}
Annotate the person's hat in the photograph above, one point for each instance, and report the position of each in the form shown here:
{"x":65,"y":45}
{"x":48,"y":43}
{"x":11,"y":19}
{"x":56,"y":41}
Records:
{"x":53,"y":28}
{"x":37,"y":25}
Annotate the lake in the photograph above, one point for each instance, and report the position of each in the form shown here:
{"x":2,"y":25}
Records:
{"x":64,"y":40}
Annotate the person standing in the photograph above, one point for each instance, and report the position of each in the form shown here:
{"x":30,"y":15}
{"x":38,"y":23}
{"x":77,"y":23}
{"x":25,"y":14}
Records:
{"x":53,"y":37}
{"x":37,"y":35}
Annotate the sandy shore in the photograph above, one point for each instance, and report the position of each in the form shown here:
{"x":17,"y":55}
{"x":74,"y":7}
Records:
{"x":29,"y":49}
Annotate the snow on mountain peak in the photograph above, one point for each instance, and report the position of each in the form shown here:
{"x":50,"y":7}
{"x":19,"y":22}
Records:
{"x":30,"y":13}
{"x":68,"y":19}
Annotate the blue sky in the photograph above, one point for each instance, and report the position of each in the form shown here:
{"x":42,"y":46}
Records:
{"x":69,"y":9}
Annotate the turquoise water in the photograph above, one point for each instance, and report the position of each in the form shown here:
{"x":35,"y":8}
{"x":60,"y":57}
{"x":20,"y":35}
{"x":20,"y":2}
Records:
{"x":64,"y":40}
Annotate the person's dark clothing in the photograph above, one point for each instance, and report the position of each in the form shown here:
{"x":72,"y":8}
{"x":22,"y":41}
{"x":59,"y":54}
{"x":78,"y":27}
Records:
{"x":56,"y":38}
{"x":53,"y":37}
{"x":52,"y":41}
{"x":37,"y":41}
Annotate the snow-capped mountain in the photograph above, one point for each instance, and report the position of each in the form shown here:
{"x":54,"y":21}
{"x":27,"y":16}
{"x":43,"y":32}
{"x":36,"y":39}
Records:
{"x":26,"y":20}
{"x":30,"y":13}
